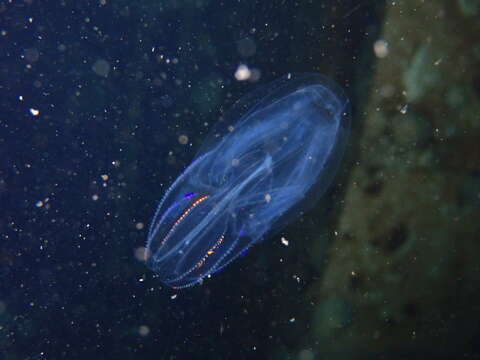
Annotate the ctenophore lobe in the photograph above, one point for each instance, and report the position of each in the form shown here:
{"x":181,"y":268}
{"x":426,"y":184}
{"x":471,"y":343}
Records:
{"x":265,"y":163}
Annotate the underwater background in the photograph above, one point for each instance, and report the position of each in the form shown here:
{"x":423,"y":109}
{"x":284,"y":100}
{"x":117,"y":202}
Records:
{"x":104,"y":103}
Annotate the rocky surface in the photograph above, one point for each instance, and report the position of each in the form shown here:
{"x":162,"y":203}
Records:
{"x":403,"y":272}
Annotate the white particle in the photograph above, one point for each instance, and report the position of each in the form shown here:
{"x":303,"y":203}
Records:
{"x":242,"y":73}
{"x":143,"y":330}
{"x":183,"y":139}
{"x":380,"y":48}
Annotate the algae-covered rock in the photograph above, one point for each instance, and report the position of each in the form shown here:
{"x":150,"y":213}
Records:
{"x":402,"y":275}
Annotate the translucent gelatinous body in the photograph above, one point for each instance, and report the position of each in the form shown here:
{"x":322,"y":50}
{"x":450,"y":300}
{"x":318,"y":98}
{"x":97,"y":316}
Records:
{"x":274,"y":154}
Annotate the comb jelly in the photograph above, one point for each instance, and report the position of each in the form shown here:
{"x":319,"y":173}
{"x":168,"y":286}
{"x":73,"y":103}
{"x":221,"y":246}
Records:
{"x":265,"y":163}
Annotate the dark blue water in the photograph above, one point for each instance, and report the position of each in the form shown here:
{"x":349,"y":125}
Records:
{"x":102,"y":105}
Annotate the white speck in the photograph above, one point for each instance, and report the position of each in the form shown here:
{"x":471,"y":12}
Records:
{"x":284,"y":241}
{"x":380,"y":48}
{"x":183,"y":139}
{"x":243,"y":73}
{"x":143,"y":330}
{"x":34,"y":112}
{"x":404,"y":109}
